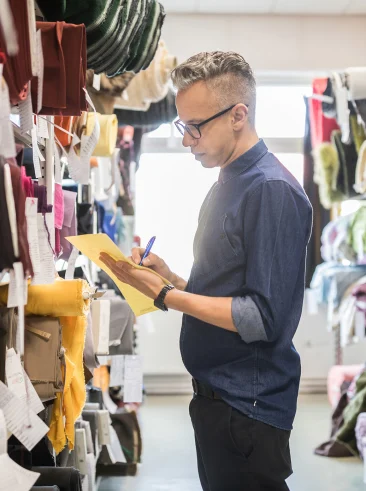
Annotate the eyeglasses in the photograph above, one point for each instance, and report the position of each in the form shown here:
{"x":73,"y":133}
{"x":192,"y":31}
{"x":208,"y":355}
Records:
{"x":194,"y":130}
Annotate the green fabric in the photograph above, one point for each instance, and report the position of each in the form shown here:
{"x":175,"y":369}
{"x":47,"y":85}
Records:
{"x":357,"y":231}
{"x":326,"y":168}
{"x":357,"y":405}
{"x":137,"y":42}
{"x":358,"y":133}
{"x":96,"y":49}
{"x":99,"y":33}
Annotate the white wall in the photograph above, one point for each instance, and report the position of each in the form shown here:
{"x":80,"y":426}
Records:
{"x":268,"y":42}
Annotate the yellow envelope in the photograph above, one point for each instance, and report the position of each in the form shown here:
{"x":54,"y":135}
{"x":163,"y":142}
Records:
{"x":91,"y":246}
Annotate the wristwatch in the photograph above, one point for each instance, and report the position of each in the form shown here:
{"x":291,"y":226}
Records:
{"x":159,"y":302}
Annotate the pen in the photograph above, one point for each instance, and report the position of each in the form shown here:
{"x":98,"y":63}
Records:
{"x":148,"y":249}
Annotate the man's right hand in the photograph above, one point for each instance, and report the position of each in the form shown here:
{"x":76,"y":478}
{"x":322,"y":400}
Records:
{"x":153,"y":262}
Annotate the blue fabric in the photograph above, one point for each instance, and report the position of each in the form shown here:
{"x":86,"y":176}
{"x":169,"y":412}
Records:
{"x":250,"y":244}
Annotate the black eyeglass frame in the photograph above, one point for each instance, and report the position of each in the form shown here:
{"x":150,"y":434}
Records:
{"x":181,"y":127}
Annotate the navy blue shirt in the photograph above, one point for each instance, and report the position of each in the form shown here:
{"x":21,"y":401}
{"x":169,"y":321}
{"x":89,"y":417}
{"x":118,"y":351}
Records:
{"x":253,"y":230}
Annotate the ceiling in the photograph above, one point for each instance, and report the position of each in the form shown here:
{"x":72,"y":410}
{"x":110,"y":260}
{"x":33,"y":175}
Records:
{"x":280,"y":7}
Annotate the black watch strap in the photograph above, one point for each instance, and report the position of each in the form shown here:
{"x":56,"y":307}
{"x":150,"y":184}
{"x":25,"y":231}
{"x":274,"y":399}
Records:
{"x":159,"y":302}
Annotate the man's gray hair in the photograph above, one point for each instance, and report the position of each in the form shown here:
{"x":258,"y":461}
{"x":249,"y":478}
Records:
{"x":225,"y":72}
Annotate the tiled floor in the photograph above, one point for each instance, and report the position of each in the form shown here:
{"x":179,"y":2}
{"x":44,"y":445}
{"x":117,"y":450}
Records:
{"x":169,"y":454}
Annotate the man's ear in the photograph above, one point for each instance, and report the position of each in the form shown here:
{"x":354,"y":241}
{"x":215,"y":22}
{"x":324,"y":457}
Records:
{"x":239,"y":116}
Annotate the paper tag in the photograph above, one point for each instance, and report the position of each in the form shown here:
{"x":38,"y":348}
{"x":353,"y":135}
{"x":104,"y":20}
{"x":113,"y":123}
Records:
{"x":3,"y":435}
{"x":31,"y":209}
{"x":47,"y":274}
{"x":42,"y":127}
{"x":81,"y":453}
{"x":69,"y":275}
{"x":103,"y":427}
{"x":14,"y":374}
{"x":96,"y":81}
{"x":104,"y":360}
{"x":58,"y":176}
{"x":133,"y":380}
{"x":101,"y":310}
{"x":7,"y":142}
{"x":117,"y":371}
{"x":18,"y":287}
{"x":108,"y":403}
{"x":79,"y":169}
{"x":50,"y":224}
{"x":360,"y":325}
{"x":40,"y":71}
{"x":311,"y":301}
{"x":15,"y":477}
{"x":20,"y":420}
{"x":26,"y":113}
{"x":32,"y":398}
{"x":36,"y":163}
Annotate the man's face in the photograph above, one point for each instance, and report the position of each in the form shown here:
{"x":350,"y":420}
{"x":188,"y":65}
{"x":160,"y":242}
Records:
{"x":196,"y":104}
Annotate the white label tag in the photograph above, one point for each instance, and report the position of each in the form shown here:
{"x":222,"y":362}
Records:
{"x":26,"y":113}
{"x":133,"y":379}
{"x":117,"y":371}
{"x":36,"y":163}
{"x":47,"y":274}
{"x":42,"y":127}
{"x":96,"y":81}
{"x":50,"y":223}
{"x":88,"y":144}
{"x":104,"y":360}
{"x":7,"y":142}
{"x":20,"y":420}
{"x":14,"y":374}
{"x":15,"y":477}
{"x":18,"y":289}
{"x":40,"y":71}
{"x":69,"y":275}
{"x":31,"y":209}
{"x":78,"y":169}
{"x":360,"y":325}
{"x":81,"y":453}
{"x":32,"y":398}
{"x":101,"y":311}
{"x":103,"y":427}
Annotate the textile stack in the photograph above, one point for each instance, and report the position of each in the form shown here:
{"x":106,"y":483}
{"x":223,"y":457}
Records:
{"x":67,"y":168}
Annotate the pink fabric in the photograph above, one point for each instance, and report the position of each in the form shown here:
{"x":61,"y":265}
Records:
{"x":69,"y":227}
{"x":59,"y":207}
{"x":321,"y":126}
{"x":27,"y":184}
{"x":336,"y":376}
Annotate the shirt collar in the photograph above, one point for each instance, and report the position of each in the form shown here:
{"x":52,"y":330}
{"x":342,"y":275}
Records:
{"x":243,"y":163}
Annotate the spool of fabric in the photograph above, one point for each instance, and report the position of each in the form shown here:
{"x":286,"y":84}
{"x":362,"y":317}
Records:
{"x":63,"y":297}
{"x":108,"y":133}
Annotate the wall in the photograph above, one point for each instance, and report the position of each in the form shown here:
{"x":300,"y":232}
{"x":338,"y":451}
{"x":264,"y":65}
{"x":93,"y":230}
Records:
{"x":268,"y":42}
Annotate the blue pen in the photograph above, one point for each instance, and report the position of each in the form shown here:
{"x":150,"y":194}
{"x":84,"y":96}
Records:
{"x":148,"y":249}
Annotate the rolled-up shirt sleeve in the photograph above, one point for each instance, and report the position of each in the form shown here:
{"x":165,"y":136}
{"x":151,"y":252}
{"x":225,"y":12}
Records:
{"x":277,"y":227}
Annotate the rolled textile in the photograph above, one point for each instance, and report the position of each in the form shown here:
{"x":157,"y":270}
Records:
{"x":63,"y":297}
{"x":65,"y":122}
{"x":356,"y":82}
{"x":108,"y":133}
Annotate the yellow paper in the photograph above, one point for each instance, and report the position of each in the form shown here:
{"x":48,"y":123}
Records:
{"x":91,"y":246}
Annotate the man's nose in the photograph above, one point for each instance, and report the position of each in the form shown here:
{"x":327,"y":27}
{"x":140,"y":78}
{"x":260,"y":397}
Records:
{"x":188,"y":141}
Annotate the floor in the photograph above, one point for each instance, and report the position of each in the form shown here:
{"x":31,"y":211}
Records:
{"x":169,"y":455}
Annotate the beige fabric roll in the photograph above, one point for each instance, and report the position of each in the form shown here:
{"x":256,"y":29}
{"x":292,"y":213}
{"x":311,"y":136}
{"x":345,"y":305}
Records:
{"x":108,"y":133}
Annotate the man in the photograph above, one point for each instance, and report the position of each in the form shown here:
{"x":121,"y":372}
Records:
{"x":243,"y":300}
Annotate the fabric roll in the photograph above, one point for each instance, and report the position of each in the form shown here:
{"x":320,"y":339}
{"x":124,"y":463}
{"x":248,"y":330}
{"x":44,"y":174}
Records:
{"x":67,"y":478}
{"x":65,"y":122}
{"x":108,"y":133}
{"x":18,"y":69}
{"x":42,"y":354}
{"x":347,"y":157}
{"x":356,"y":82}
{"x":63,"y":297}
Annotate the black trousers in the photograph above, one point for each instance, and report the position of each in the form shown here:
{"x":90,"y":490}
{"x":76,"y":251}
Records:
{"x":237,"y":453}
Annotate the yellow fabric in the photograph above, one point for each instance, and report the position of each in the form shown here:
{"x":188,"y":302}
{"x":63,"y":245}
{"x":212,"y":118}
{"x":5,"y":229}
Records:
{"x":60,"y":298}
{"x":91,"y":246}
{"x":108,"y":133}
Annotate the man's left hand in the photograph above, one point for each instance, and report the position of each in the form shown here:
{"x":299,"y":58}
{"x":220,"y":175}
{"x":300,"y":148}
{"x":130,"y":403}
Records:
{"x":147,"y":283}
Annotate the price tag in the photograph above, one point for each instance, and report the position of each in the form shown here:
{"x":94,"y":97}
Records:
{"x":36,"y":152}
{"x":31,"y":209}
{"x":40,"y":71}
{"x":14,"y":374}
{"x":117,"y":371}
{"x":26,"y":113}
{"x":42,"y":127}
{"x":96,"y":81}
{"x":133,"y":380}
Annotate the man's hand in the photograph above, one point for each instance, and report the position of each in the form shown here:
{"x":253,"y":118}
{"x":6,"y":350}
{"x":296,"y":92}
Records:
{"x":147,"y":283}
{"x":153,"y":262}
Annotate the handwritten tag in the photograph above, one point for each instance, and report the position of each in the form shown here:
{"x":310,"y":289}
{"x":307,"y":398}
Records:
{"x":50,"y":224}
{"x":47,"y":274}
{"x":31,"y":208}
{"x":42,"y":127}
{"x":36,"y":159}
{"x":18,"y":288}
{"x":69,"y":275}
{"x":7,"y":142}
{"x":20,"y":420}
{"x":101,"y":311}
{"x":40,"y":71}
{"x":26,"y":113}
{"x":133,"y":380}
{"x":117,"y":371}
{"x":14,"y":374}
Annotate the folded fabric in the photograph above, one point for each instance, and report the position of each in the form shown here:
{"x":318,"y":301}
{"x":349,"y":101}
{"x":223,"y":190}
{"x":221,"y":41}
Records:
{"x":111,"y":86}
{"x":90,"y":359}
{"x":92,"y":417}
{"x":128,"y":431}
{"x":361,"y":434}
{"x":69,"y":224}
{"x":45,"y":488}
{"x":59,"y":206}
{"x":358,"y":132}
{"x":356,"y":82}
{"x":334,"y":239}
{"x":19,"y":68}
{"x":357,"y":231}
{"x":326,"y":170}
{"x":67,"y":478}
{"x":64,"y":52}
{"x":108,"y":133}
{"x":42,"y":353}
{"x":347,"y":157}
